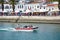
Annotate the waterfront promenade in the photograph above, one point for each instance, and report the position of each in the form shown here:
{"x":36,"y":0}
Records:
{"x":37,"y":19}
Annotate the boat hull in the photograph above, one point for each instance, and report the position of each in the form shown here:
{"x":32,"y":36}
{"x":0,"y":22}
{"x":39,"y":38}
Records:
{"x":24,"y":30}
{"x":20,"y":29}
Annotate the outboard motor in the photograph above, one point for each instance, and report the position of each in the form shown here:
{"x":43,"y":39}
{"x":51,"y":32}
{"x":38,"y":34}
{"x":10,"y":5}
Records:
{"x":35,"y":28}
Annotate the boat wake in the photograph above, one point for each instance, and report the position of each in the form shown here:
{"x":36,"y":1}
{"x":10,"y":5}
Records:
{"x":12,"y":29}
{"x":4,"y":29}
{"x":7,"y":29}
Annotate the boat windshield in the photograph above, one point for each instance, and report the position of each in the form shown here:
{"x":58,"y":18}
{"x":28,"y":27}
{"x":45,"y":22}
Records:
{"x":28,"y":26}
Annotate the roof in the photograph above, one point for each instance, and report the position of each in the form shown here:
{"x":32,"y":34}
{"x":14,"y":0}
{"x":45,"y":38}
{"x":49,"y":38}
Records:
{"x":52,"y":4}
{"x":33,"y":2}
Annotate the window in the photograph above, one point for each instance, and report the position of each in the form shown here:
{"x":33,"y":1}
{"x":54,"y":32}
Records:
{"x":49,"y":9}
{"x":10,"y":6}
{"x":20,"y":6}
{"x":29,"y":7}
{"x":40,"y":7}
{"x":44,"y":7}
{"x":37,"y":6}
{"x":52,"y":8}
{"x":7,"y":7}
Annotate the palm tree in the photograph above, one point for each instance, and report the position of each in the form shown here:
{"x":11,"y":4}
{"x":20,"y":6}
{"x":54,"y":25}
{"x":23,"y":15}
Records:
{"x":59,"y":4}
{"x":2,"y":2}
{"x":13,"y":3}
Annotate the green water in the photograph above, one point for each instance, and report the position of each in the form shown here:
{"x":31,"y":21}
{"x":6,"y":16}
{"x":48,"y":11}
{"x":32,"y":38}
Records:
{"x":44,"y":32}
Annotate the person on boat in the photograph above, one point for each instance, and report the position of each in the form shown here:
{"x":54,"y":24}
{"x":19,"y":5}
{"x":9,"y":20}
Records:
{"x":17,"y":27}
{"x":25,"y":26}
{"x":30,"y":26}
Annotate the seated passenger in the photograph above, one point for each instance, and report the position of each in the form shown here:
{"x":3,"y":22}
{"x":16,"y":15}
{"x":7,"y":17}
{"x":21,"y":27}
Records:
{"x":25,"y":26}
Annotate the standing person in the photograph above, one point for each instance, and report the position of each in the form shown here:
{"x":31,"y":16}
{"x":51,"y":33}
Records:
{"x":17,"y":25}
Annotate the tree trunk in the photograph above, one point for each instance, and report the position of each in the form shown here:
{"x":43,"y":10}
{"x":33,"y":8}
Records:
{"x":2,"y":4}
{"x":13,"y":2}
{"x":13,"y":7}
{"x":59,"y":4}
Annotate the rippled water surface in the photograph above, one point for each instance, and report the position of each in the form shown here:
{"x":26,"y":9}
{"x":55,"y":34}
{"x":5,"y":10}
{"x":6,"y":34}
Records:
{"x":44,"y":32}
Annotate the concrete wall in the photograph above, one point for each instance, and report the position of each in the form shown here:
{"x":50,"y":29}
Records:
{"x":39,"y":19}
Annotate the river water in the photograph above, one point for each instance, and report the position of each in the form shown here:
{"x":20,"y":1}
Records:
{"x":44,"y":32}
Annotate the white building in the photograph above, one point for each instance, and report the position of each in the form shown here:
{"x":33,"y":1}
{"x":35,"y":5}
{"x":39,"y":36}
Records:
{"x":26,"y":7}
{"x":53,"y":8}
{"x":0,"y":8}
{"x":35,"y":7}
{"x":19,"y":8}
{"x":7,"y":8}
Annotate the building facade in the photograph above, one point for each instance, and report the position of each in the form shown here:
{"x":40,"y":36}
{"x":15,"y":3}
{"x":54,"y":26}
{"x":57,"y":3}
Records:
{"x":35,"y":7}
